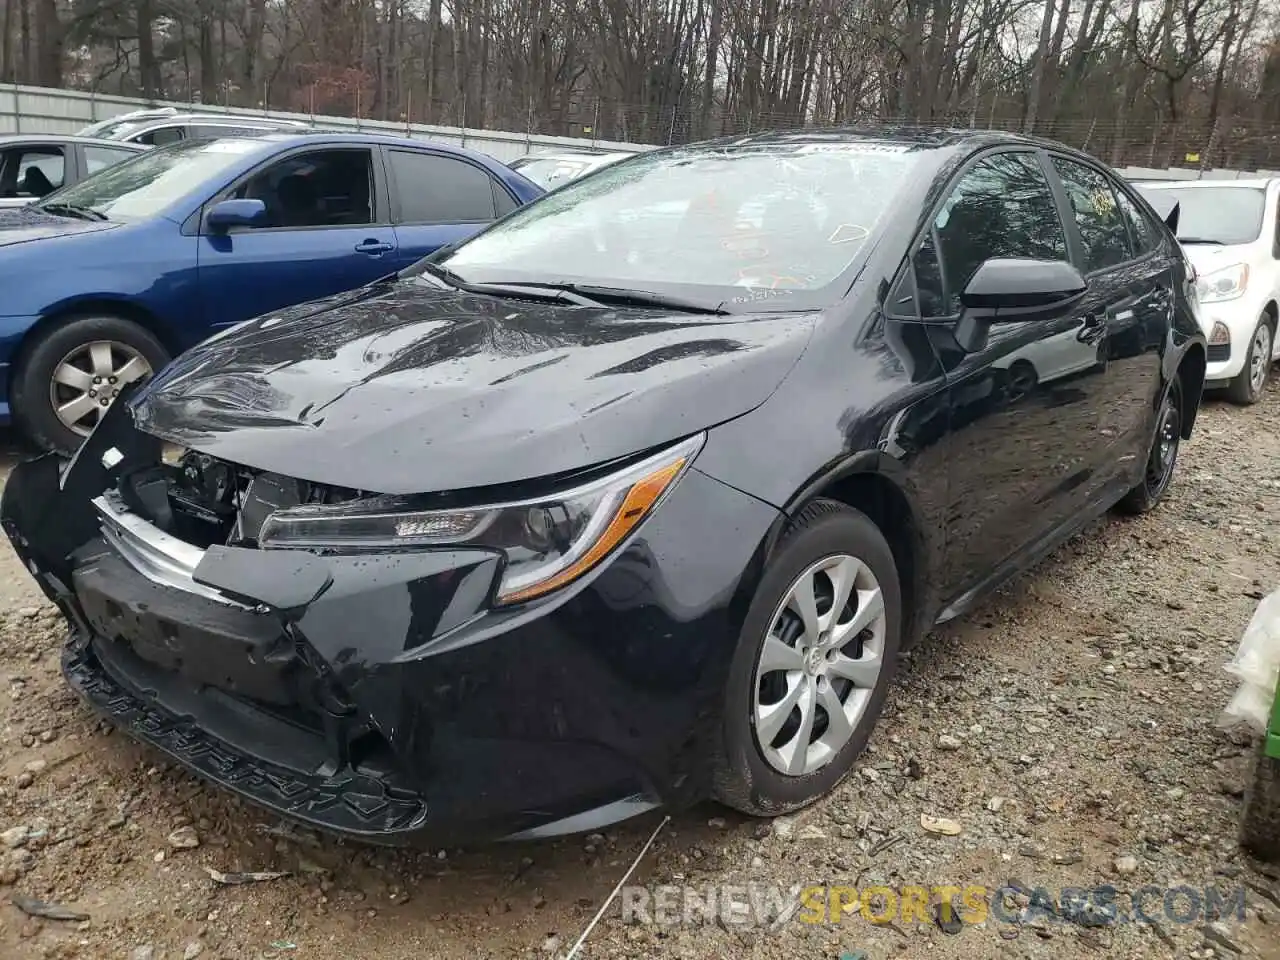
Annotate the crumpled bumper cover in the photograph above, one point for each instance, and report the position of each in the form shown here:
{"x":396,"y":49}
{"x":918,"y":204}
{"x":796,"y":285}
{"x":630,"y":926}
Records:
{"x":379,"y":695}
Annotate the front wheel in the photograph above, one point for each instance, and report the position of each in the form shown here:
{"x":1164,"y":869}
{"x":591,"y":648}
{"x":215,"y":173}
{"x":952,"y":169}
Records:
{"x":814,"y":661}
{"x":73,"y":371}
{"x":1162,"y":455}
{"x":1260,"y":824}
{"x":1246,"y":388}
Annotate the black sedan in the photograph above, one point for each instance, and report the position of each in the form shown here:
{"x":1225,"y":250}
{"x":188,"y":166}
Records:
{"x":633,"y":499}
{"x":33,"y":165}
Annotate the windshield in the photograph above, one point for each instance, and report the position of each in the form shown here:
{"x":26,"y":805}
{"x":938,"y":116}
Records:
{"x":1226,"y":215}
{"x":549,"y":172}
{"x":146,"y":184}
{"x":721,"y":225}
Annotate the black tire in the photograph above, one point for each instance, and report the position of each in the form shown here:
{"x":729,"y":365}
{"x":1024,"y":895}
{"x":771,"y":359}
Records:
{"x":1260,"y":822}
{"x":741,"y":777}
{"x":32,"y":407}
{"x":1159,"y":466}
{"x":1242,"y":390}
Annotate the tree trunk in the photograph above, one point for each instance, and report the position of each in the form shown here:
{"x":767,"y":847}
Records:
{"x":48,"y":44}
{"x":1038,"y":70}
{"x":148,"y":69}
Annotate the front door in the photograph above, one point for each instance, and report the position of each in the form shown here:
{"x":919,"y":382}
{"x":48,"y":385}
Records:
{"x":324,"y":233}
{"x":1023,"y":432}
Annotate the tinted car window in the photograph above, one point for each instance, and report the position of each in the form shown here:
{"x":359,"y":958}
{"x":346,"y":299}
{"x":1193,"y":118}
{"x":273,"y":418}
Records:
{"x":436,"y":189}
{"x":1102,"y":226}
{"x":159,"y":137}
{"x":502,"y":200}
{"x":1002,"y":207}
{"x":99,"y":158}
{"x":1141,"y":229}
{"x":323,"y":188}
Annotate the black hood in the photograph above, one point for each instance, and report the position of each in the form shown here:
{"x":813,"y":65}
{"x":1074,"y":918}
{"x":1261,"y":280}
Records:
{"x":406,"y":388}
{"x":23,"y":224}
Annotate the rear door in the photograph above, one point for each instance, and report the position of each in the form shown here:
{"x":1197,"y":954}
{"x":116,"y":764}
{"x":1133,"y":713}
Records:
{"x":438,"y":199}
{"x":327,"y":231}
{"x":1131,"y":294}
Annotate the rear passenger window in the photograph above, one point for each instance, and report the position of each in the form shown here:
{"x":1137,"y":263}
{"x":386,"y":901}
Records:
{"x":438,"y":189}
{"x":1141,"y":229}
{"x":502,"y":202}
{"x":161,"y":136}
{"x":1102,"y":226}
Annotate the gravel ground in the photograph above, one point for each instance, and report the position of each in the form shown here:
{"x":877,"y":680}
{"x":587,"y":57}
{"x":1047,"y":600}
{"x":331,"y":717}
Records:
{"x":1067,"y":727}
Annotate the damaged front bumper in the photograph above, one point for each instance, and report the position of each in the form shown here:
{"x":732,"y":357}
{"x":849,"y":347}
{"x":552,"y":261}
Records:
{"x":378,"y":695}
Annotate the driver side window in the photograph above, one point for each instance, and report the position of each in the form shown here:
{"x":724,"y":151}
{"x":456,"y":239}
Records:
{"x":1002,"y":207}
{"x":322,"y":188}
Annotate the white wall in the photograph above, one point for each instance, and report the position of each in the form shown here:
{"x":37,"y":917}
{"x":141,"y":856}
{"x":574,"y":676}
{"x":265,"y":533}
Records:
{"x":46,"y":110}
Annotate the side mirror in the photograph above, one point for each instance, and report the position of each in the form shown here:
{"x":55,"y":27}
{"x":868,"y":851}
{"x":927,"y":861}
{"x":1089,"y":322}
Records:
{"x":235,"y":213}
{"x":1008,"y":289}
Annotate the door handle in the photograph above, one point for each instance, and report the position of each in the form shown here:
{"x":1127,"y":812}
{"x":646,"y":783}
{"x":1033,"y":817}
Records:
{"x":373,"y":247}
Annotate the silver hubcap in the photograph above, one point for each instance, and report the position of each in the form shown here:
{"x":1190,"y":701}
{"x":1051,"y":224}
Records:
{"x":1260,"y":357}
{"x":819,"y":664}
{"x":89,"y":378}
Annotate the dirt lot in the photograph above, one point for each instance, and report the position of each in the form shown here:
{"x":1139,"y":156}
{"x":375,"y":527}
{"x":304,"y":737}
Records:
{"x":1067,"y":726}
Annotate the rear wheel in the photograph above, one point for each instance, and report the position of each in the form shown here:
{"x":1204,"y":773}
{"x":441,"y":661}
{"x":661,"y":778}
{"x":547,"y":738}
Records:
{"x":814,"y":662}
{"x":1248,"y":384}
{"x":73,"y":371}
{"x":1161,"y":457}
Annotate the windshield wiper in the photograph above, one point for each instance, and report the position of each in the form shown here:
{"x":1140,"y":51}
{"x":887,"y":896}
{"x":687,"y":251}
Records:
{"x":556,"y":293}
{"x":1216,"y":243}
{"x":583,"y":294}
{"x":639,"y":298}
{"x":73,"y":210}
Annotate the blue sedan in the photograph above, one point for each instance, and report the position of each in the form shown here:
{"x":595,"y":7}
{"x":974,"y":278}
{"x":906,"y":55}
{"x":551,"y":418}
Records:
{"x":106,"y":280}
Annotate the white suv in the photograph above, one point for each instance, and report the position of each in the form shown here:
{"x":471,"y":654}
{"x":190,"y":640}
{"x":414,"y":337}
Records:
{"x":165,"y":125}
{"x":1230,"y":232}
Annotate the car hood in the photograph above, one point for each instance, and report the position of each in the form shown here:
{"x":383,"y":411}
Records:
{"x":406,"y":388}
{"x":22,"y":224}
{"x":1208,"y":257}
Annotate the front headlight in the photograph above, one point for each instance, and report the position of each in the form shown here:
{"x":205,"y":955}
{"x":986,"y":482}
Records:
{"x":1225,"y":284}
{"x":548,"y":541}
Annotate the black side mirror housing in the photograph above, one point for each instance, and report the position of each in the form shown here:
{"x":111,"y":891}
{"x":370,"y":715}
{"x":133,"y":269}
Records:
{"x":1006,"y":289}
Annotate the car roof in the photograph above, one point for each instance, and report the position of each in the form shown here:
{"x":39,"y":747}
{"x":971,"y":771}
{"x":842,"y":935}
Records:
{"x":12,"y":139}
{"x":314,"y":136}
{"x":1256,"y":183}
{"x":905,"y":134}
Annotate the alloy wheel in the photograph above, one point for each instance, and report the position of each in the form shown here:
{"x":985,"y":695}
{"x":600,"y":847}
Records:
{"x":88,"y":379}
{"x":819,"y":664}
